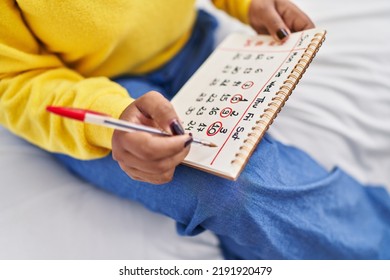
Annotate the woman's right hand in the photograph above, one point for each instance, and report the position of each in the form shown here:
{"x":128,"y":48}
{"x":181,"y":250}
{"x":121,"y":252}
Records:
{"x":148,"y":157}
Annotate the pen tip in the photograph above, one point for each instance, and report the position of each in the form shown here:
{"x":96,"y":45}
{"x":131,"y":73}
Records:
{"x":212,"y":145}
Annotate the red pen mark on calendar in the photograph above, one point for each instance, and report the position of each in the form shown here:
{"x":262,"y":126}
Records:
{"x":259,"y":43}
{"x":226,"y":112}
{"x":236,"y":98}
{"x":214,"y":128}
{"x":272,"y":43}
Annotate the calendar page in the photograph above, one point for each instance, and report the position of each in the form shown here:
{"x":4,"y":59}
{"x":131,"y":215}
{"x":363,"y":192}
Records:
{"x":235,"y":95}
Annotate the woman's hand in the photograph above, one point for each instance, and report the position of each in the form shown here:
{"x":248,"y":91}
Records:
{"x":144,"y":156}
{"x":278,"y":18}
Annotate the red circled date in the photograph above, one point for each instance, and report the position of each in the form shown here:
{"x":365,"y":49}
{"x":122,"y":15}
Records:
{"x":214,"y":128}
{"x":226,"y":112}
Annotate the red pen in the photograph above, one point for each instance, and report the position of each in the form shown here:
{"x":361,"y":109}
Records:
{"x":97,"y":118}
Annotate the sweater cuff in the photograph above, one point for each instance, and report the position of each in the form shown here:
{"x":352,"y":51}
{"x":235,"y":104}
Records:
{"x":112,"y":105}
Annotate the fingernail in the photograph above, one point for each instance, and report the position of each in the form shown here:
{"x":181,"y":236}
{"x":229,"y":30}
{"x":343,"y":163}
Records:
{"x":176,"y":128}
{"x":189,"y":141}
{"x":282,"y":33}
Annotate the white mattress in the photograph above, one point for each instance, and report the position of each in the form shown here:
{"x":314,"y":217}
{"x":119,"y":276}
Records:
{"x":340,"y":114}
{"x":46,"y":213}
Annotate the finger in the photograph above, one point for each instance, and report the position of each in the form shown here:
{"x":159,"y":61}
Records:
{"x":152,"y":167}
{"x":266,"y":16}
{"x":133,"y":114}
{"x":158,"y":108}
{"x":294,"y":18}
{"x":151,"y":147}
{"x":157,"y":179}
{"x":275,"y":25}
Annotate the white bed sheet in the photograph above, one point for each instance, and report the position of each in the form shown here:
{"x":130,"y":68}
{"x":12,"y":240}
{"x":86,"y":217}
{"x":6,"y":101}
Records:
{"x":47,"y":213}
{"x":340,"y":114}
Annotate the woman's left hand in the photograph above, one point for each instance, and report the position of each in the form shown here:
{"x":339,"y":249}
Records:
{"x":278,"y":18}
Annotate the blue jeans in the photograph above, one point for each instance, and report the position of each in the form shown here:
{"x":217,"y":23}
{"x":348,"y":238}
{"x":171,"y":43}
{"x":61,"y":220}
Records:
{"x":283,"y":206}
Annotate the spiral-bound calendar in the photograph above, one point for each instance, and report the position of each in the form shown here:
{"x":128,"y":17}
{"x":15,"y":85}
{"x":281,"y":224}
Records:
{"x":236,"y":94}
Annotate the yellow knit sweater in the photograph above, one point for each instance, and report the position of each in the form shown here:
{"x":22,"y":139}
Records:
{"x":61,"y":52}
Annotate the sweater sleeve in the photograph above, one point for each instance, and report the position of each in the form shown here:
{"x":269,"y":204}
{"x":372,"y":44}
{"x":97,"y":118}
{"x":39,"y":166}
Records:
{"x":31,"y":78}
{"x":236,"y":8}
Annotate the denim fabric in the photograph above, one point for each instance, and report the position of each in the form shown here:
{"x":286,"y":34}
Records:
{"x":283,"y":206}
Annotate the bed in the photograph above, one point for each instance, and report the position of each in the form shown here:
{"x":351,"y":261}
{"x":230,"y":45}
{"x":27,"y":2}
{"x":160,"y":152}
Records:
{"x":339,"y":113}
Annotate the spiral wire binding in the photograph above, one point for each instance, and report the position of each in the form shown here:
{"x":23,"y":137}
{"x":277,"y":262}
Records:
{"x":278,"y":101}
